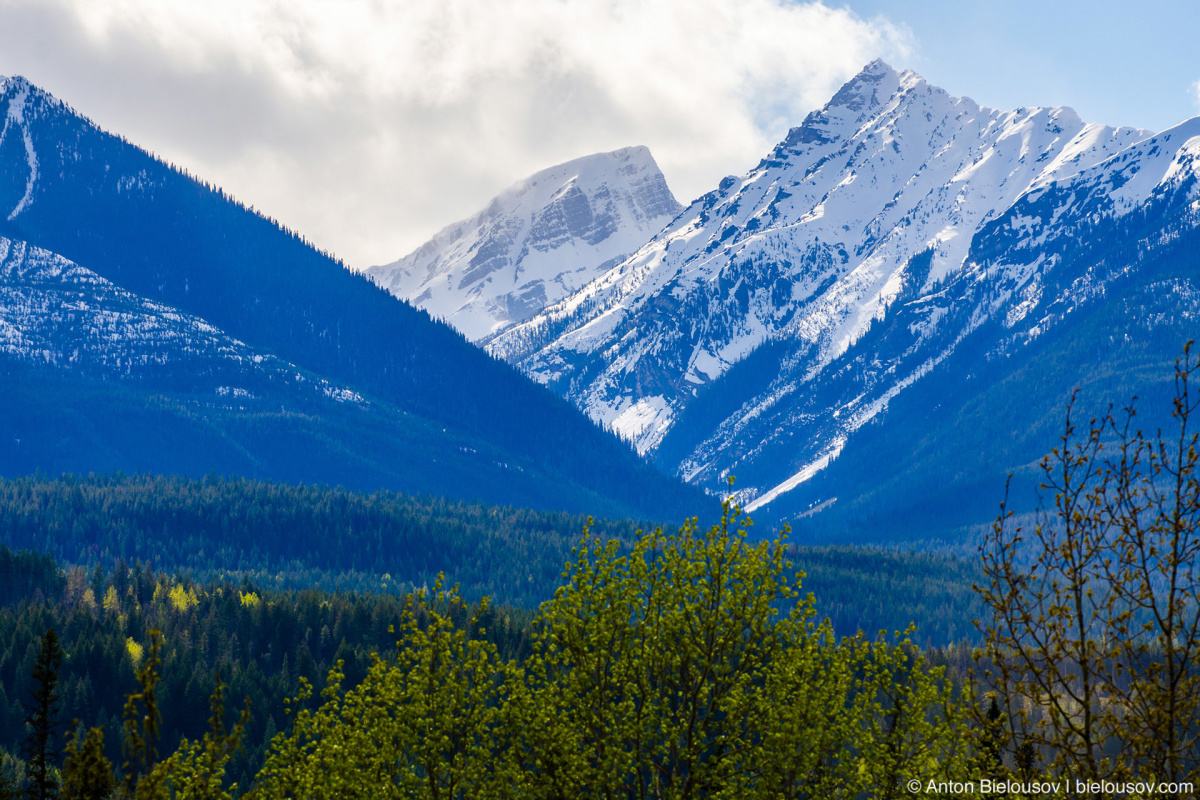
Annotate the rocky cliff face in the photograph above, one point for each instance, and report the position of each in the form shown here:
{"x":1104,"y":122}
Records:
{"x":540,"y":240}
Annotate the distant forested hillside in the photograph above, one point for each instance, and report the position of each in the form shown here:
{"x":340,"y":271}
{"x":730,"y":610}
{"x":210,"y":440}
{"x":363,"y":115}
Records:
{"x":287,"y":536}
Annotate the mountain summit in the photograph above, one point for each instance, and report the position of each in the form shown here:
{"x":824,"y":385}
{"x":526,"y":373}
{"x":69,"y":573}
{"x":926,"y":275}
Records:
{"x":724,"y":344}
{"x":536,"y":242}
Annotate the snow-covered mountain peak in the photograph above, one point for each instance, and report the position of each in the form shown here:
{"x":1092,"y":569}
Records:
{"x":15,"y":92}
{"x":811,"y":246}
{"x":542,"y":238}
{"x":867,"y":90}
{"x":21,"y":98}
{"x":858,"y":100}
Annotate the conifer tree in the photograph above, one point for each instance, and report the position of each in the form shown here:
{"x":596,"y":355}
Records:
{"x":42,"y":719}
{"x":87,"y":773}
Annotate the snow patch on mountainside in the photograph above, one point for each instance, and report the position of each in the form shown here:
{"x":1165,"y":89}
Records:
{"x":647,"y":413}
{"x":56,"y":313}
{"x":800,"y":477}
{"x":542,"y":239}
{"x":15,"y":125}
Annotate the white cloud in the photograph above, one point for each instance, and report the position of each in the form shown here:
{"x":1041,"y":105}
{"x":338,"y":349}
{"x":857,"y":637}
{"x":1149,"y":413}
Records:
{"x":368,"y":125}
{"x":1196,"y":94}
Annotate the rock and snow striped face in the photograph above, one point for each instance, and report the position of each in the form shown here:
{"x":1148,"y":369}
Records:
{"x":14,"y":92}
{"x":537,"y":242}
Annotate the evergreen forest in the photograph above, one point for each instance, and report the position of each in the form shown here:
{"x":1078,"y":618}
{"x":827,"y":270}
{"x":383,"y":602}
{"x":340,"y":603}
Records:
{"x":165,"y":637}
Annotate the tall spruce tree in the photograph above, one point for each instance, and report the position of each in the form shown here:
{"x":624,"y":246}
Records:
{"x":41,"y":719}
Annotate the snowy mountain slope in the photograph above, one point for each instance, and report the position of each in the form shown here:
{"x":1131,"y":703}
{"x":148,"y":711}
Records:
{"x":15,"y":134}
{"x":1024,"y":276}
{"x":1103,"y":318}
{"x":895,"y":201}
{"x":96,"y":378}
{"x":535,"y":243}
{"x":58,"y":314}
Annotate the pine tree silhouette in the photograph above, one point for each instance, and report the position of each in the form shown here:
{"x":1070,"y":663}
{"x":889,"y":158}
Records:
{"x":42,"y":718}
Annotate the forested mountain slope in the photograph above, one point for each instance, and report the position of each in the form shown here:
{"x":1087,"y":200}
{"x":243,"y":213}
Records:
{"x":158,"y":234}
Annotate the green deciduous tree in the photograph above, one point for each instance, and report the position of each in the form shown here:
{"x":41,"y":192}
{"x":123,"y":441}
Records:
{"x":689,"y":666}
{"x":679,"y":666}
{"x":421,"y":725}
{"x":651,"y":658}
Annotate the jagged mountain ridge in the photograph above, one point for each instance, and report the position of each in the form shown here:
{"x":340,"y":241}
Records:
{"x":1103,"y":322}
{"x":439,"y":411}
{"x":540,"y":240}
{"x":879,"y":201}
{"x":1023,"y":274}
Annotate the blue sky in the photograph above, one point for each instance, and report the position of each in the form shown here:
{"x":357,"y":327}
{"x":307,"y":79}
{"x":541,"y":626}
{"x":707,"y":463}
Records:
{"x":1117,"y":63}
{"x":370,"y":124}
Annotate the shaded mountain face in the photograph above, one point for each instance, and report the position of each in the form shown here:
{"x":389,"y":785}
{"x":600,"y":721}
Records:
{"x":56,"y":313}
{"x":899,"y":234}
{"x":209,"y":334}
{"x":540,"y":240}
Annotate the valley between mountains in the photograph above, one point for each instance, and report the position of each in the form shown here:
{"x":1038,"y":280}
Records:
{"x":870,"y":328}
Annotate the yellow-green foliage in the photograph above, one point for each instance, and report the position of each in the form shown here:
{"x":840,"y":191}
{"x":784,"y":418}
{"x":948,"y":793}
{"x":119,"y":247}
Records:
{"x":686,"y":666}
{"x":182,"y":599}
{"x":250,"y":599}
{"x":86,"y":771}
{"x":135,"y":651}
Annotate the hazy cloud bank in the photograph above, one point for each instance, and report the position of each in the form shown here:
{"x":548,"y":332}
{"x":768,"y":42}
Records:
{"x":368,"y":125}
